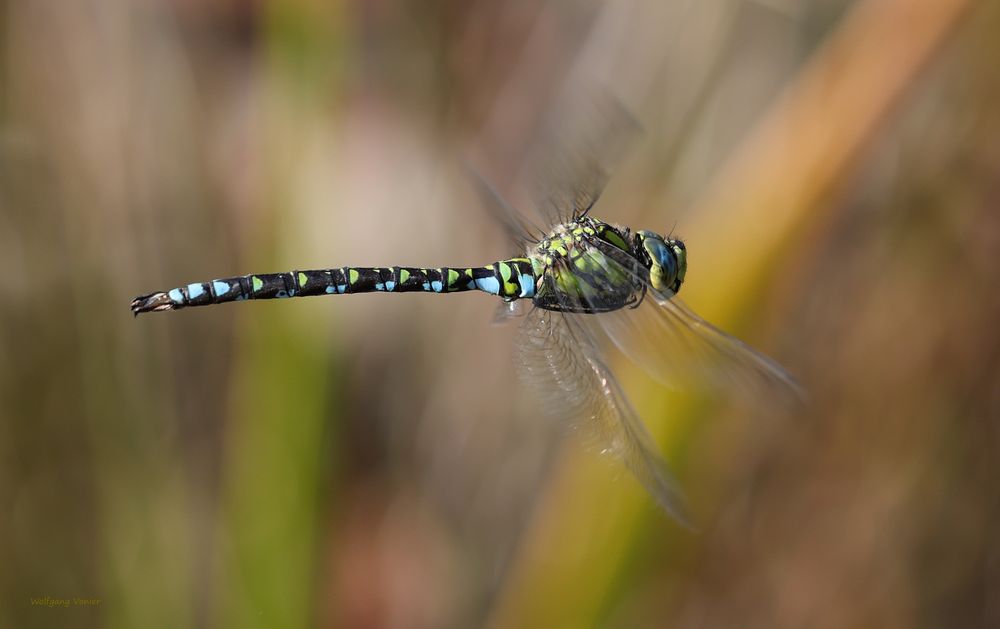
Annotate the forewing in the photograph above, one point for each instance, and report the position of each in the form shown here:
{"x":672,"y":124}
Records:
{"x":561,"y":362}
{"x":680,"y":349}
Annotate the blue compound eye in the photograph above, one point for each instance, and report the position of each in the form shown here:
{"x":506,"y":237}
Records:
{"x":665,"y":258}
{"x":663,"y":263}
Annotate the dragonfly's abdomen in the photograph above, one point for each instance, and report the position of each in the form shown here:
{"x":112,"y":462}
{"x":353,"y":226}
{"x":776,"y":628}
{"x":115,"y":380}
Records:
{"x":510,"y":279}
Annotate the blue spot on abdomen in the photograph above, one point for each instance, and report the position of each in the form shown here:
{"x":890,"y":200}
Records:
{"x":527,"y":285}
{"x":488,"y":285}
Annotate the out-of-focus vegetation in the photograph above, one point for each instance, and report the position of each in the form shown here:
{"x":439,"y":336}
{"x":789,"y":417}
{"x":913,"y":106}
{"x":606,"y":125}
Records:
{"x":368,"y":461}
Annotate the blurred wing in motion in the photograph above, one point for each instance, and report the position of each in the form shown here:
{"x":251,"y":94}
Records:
{"x":561,"y":362}
{"x":520,"y":231}
{"x":580,"y":144}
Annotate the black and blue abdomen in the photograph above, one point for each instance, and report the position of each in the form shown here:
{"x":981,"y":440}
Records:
{"x":510,"y":279}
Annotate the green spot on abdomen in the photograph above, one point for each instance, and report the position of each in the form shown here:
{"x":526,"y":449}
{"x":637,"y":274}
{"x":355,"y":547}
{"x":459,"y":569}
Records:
{"x":302,"y":279}
{"x":353,"y":276}
{"x":452,"y":277}
{"x":403,"y":275}
{"x":257,"y":283}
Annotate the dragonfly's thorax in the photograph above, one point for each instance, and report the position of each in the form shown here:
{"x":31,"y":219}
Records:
{"x":586,"y":266}
{"x":589,"y":266}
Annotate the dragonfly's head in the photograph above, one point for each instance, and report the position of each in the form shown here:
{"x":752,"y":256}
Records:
{"x":666,"y":259}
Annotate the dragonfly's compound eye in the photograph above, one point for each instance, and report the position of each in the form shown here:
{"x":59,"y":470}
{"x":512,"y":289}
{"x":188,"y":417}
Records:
{"x":680,"y":254}
{"x":663,"y":260}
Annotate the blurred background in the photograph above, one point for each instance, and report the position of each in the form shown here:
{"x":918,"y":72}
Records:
{"x":369,"y":461}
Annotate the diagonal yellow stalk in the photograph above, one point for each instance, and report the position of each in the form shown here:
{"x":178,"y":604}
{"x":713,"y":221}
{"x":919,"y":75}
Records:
{"x":771,"y":191}
{"x":777,"y":182}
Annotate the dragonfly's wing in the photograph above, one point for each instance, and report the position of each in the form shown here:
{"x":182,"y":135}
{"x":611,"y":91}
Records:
{"x":561,"y":362}
{"x":679,"y":348}
{"x":583,"y":138}
{"x":521,"y":231}
{"x":580,"y":141}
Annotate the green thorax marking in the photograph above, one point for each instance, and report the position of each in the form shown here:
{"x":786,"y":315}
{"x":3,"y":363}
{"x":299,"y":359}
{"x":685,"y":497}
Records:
{"x":576,"y":276}
{"x":574,"y":235}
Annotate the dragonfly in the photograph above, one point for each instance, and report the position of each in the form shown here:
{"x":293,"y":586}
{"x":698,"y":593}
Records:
{"x":578,"y":287}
